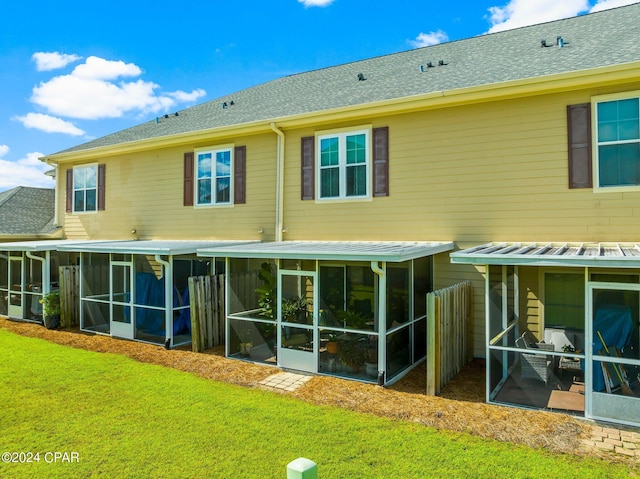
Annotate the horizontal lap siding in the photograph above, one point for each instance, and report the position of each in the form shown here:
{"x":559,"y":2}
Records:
{"x":476,"y":173}
{"x":145,"y":192}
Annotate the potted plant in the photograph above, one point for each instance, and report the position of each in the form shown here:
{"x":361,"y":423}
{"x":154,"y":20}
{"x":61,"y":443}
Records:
{"x":371,"y":361}
{"x":294,"y":310}
{"x":351,"y":354}
{"x":51,"y":309}
{"x":333,"y":346}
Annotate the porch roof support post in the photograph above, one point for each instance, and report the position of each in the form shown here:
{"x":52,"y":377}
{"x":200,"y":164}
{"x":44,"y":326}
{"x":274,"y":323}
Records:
{"x":381,"y":270}
{"x":487,"y":332}
{"x":168,"y":294}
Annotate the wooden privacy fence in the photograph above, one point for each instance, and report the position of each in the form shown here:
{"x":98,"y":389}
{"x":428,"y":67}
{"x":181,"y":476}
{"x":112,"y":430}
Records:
{"x":448,"y":334}
{"x":206,"y":295}
{"x":69,"y":280}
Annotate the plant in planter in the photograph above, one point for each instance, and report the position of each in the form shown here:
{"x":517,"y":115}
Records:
{"x":351,"y":354}
{"x":352,"y":319}
{"x":51,"y":309}
{"x":294,"y":310}
{"x":333,"y":346}
{"x":371,"y":360}
{"x":268,"y":291}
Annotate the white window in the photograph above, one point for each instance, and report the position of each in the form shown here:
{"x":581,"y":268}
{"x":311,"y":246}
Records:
{"x":85,"y":188}
{"x":617,"y":125}
{"x":343,"y":165}
{"x":213,"y":181}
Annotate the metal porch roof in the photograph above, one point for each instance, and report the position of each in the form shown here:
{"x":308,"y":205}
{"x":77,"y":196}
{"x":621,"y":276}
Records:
{"x":42,"y":245}
{"x":619,"y":255}
{"x":162,"y":247}
{"x":394,"y":252}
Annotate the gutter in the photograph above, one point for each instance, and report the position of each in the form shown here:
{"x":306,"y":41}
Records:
{"x":279,"y":182}
{"x":46,"y":273}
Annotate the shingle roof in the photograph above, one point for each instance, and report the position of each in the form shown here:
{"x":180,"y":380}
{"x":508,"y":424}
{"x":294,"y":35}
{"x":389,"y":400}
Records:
{"x":591,"y":41}
{"x":26,"y":211}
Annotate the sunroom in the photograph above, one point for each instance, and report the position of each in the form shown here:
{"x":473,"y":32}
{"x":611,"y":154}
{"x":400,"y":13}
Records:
{"x":28,"y":271}
{"x":350,"y":309}
{"x":562,"y":326}
{"x":139,"y":289}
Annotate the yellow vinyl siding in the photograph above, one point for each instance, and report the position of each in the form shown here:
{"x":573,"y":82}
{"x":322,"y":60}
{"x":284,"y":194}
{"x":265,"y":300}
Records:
{"x":144,"y":192}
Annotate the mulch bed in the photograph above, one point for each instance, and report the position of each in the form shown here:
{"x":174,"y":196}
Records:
{"x":460,"y":407}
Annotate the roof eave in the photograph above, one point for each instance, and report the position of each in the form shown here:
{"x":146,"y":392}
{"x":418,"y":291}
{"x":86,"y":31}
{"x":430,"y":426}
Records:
{"x":600,"y":76}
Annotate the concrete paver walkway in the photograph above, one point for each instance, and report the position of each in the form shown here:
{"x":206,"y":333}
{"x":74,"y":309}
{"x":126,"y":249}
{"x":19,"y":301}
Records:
{"x":286,"y":381}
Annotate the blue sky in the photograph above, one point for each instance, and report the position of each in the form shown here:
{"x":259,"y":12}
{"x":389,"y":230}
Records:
{"x":75,"y":70}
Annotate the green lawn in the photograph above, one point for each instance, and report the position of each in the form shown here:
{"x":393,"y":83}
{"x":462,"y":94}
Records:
{"x":127,"y":419}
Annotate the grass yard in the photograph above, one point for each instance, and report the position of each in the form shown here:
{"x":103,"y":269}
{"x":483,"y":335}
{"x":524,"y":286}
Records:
{"x":124,"y":419}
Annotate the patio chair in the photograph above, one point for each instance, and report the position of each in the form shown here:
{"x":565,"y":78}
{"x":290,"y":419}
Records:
{"x":535,"y":366}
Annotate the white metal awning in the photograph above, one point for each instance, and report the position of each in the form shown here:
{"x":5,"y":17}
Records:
{"x":41,"y":245}
{"x":618,"y":255}
{"x":147,"y":247}
{"x":390,"y":251}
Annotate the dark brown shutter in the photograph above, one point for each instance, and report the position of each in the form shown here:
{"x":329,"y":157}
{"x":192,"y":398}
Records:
{"x":187,"y":192}
{"x":69,"y":190}
{"x":579,"y":131}
{"x":308,"y":167}
{"x":381,"y":161}
{"x":240,"y":175}
{"x":101,"y":182}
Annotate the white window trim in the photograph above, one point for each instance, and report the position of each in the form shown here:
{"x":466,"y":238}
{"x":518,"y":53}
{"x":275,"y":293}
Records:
{"x":73,"y":190}
{"x":342,"y":133}
{"x":594,"y":141}
{"x":213,"y":150}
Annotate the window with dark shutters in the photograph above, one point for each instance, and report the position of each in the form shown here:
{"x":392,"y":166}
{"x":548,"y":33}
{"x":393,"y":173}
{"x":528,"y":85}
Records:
{"x":69,"y":190}
{"x":188,"y":179}
{"x":579,"y":138}
{"x":381,"y":161}
{"x":239,"y":175}
{"x":308,"y":167}
{"x":101,"y":186}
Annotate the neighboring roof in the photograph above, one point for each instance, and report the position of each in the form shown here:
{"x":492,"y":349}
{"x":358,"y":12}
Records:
{"x":620,"y":255}
{"x":594,"y":41}
{"x":147,"y":247}
{"x":26,"y":211}
{"x":394,"y":252}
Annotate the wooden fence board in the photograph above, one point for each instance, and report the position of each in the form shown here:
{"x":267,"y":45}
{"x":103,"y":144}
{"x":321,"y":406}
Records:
{"x":69,"y":280}
{"x":448,"y":338}
{"x":207,"y":311}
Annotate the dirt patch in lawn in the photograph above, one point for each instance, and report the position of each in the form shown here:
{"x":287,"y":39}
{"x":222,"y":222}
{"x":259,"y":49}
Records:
{"x":460,"y":407}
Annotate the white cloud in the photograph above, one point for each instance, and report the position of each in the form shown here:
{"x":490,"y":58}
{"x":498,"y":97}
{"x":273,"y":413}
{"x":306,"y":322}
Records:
{"x":52,"y":60}
{"x":607,"y":4}
{"x":49,"y":124}
{"x":28,"y":171}
{"x":96,"y":68}
{"x":428,"y":39}
{"x":91,"y":92}
{"x":183,"y":96}
{"x":4,"y":149}
{"x":519,"y":13}
{"x":316,"y":3}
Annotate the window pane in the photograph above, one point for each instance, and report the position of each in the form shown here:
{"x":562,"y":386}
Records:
{"x":619,"y":164}
{"x":356,"y":149}
{"x":223,"y":190}
{"x":329,"y":183}
{"x":90,"y":177}
{"x":204,"y":191}
{"x":78,"y":201}
{"x":329,"y":152}
{"x":357,"y":181}
{"x":223,"y":163}
{"x":91,"y":200}
{"x":618,"y":120}
{"x":204,"y":165}
{"x":78,"y":178}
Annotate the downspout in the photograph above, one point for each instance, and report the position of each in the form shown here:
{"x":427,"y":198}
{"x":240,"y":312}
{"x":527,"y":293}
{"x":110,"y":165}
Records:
{"x":279,"y":182}
{"x":382,"y":319}
{"x":55,"y":190}
{"x":46,"y":274}
{"x":168,"y":294}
